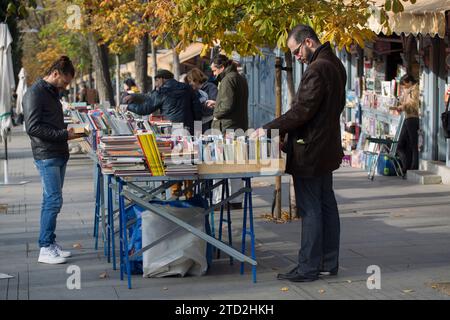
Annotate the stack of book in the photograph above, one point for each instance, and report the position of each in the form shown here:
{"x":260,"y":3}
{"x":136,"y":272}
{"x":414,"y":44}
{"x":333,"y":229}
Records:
{"x":117,"y":123}
{"x":122,"y":156}
{"x":183,"y":157}
{"x":79,"y":106}
{"x":158,"y":125}
{"x":169,"y":155}
{"x":152,"y":155}
{"x":97,"y":121}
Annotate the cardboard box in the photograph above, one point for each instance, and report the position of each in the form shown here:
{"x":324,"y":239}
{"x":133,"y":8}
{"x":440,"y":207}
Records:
{"x":272,"y":166}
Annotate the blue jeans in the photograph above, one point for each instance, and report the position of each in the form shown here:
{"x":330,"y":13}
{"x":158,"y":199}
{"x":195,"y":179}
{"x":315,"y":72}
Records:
{"x":52,"y":173}
{"x":317,"y":206}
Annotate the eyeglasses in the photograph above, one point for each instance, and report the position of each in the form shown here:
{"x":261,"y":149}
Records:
{"x":297,"y":50}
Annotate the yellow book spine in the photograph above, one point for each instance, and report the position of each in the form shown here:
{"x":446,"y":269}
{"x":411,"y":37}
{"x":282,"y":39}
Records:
{"x":152,"y":154}
{"x":258,"y":150}
{"x":145,"y":151}
{"x":158,"y":156}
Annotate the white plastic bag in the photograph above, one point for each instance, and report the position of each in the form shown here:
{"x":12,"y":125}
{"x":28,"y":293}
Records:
{"x":181,"y":253}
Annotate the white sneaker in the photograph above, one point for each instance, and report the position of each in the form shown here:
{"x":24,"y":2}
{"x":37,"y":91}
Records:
{"x":61,"y":252}
{"x":50,"y":255}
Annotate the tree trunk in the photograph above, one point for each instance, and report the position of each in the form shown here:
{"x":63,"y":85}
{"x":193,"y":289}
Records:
{"x":289,"y":77}
{"x":277,"y":207}
{"x":291,"y":94}
{"x":91,"y":79}
{"x":176,"y":64}
{"x":154,"y":62}
{"x":118,"y":79}
{"x":101,"y":66}
{"x":141,"y":64}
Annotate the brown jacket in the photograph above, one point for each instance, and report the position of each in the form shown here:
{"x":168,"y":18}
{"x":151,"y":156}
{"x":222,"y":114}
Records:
{"x":409,"y":102}
{"x":314,"y":146}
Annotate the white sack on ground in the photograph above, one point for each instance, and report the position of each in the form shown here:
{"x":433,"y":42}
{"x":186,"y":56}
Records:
{"x":180,"y":254}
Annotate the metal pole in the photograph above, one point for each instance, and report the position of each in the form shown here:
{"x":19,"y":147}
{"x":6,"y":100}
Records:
{"x":278,"y":68}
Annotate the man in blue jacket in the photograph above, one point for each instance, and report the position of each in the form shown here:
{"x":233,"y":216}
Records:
{"x":44,"y":122}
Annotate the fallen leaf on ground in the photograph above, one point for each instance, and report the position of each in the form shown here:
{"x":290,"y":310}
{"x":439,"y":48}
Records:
{"x":285,"y":216}
{"x":284,"y":289}
{"x":443,"y":287}
{"x":283,"y":219}
{"x":103,"y":275}
{"x":321,"y":291}
{"x":408,"y":291}
{"x":77,"y":245}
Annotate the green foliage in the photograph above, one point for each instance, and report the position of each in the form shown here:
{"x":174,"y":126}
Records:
{"x":18,"y":9}
{"x":244,"y":26}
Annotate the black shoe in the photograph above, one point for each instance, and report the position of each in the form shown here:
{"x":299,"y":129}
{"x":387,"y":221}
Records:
{"x":286,"y":276}
{"x":295,"y":277}
{"x":300,"y":278}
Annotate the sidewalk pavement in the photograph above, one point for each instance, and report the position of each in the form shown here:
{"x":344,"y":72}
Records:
{"x":401,"y":227}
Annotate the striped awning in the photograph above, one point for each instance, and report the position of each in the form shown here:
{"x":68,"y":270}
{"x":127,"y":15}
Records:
{"x":424,"y":17}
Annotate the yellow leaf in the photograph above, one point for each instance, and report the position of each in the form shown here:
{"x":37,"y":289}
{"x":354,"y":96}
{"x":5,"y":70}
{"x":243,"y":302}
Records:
{"x":204,"y":52}
{"x":358,"y":40}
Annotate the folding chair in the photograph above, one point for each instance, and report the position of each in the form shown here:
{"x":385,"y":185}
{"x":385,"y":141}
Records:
{"x":388,"y":147}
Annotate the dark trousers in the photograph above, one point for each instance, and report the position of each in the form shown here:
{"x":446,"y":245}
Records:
{"x":317,"y":207}
{"x":408,"y":144}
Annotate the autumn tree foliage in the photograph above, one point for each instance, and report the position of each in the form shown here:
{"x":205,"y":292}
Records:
{"x":244,"y":26}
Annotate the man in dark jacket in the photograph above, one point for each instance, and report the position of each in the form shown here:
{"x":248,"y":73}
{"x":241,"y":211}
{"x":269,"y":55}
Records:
{"x":44,"y":122}
{"x":314,"y":151}
{"x":177,"y":101}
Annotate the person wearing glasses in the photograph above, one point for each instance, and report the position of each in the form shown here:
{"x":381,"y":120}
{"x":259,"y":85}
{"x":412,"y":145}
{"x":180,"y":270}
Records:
{"x":314,"y":151}
{"x":44,"y":123}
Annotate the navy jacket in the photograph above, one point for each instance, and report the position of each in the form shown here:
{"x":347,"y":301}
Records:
{"x":176,"y":101}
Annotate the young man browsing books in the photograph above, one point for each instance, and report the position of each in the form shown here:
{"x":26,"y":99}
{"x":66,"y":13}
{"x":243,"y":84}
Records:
{"x":44,"y":122}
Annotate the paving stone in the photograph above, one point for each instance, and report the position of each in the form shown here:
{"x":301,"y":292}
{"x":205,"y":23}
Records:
{"x":395,"y":224}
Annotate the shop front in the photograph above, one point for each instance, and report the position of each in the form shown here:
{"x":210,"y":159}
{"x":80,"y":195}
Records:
{"x":418,"y":46}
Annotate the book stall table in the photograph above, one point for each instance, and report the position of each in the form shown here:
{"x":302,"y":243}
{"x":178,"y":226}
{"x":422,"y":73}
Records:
{"x":136,"y":161}
{"x":127,"y":188}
